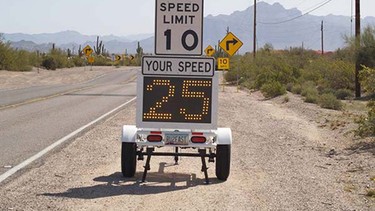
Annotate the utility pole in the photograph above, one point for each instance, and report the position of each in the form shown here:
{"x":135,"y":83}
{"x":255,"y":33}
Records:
{"x":322,"y":36}
{"x":255,"y":28}
{"x":358,"y":45}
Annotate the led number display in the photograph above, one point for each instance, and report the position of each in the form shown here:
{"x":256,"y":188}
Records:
{"x":177,"y":102}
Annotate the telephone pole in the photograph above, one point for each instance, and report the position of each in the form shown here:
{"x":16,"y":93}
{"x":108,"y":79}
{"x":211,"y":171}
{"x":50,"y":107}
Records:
{"x":322,"y":29}
{"x":358,"y":45}
{"x":255,"y":29}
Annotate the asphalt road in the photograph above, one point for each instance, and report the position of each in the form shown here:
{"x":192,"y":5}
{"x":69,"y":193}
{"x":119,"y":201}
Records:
{"x":55,"y":111}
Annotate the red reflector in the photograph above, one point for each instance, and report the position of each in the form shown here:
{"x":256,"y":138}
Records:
{"x":198,"y":139}
{"x":197,"y":134}
{"x":154,"y":138}
{"x":155,"y":132}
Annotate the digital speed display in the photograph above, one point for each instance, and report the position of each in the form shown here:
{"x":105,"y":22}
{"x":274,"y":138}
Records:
{"x":169,"y":99}
{"x":177,"y":93}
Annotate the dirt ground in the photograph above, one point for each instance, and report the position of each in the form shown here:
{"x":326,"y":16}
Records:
{"x":285,"y":156}
{"x":39,"y":77}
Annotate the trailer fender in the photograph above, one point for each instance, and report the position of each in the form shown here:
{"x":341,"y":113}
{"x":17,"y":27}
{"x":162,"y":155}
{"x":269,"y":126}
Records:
{"x":128,"y":133}
{"x":224,"y":136}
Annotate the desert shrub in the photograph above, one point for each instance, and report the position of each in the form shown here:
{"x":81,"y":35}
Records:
{"x":102,"y":61}
{"x":308,"y":88}
{"x":289,"y":87}
{"x":272,"y":89}
{"x":367,"y":77}
{"x":343,"y":94}
{"x":366,"y":124}
{"x":297,"y":89}
{"x":330,"y":101}
{"x":49,"y":62}
{"x":78,"y":61}
{"x":311,"y":97}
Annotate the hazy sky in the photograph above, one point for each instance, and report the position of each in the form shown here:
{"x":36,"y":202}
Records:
{"x":125,"y":17}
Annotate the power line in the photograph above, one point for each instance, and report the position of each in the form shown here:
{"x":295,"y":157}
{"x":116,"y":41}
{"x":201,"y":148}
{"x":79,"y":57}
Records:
{"x":285,"y":21}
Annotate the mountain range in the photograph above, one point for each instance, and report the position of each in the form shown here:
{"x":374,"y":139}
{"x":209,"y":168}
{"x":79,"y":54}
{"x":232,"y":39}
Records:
{"x":280,"y":27}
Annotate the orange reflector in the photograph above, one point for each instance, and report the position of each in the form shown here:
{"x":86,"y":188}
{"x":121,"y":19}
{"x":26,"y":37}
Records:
{"x":154,"y":138}
{"x":198,"y":139}
{"x":197,"y":134}
{"x":155,"y":132}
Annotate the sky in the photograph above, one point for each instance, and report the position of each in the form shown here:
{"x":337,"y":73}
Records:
{"x":129,"y":17}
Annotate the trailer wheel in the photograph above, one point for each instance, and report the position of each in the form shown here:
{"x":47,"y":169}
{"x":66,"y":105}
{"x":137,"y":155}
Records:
{"x":223,"y":161}
{"x":128,"y":159}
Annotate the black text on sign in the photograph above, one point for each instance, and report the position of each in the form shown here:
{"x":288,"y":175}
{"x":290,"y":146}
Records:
{"x":178,"y":27}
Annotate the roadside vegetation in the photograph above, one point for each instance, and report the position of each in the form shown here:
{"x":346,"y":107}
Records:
{"x":324,"y":80}
{"x":21,"y":60}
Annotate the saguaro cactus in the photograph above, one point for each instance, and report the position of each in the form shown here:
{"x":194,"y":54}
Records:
{"x":99,"y":48}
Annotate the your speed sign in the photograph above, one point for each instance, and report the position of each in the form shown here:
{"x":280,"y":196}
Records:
{"x":179,"y":27}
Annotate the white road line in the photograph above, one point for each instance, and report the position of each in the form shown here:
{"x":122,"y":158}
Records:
{"x":22,"y":165}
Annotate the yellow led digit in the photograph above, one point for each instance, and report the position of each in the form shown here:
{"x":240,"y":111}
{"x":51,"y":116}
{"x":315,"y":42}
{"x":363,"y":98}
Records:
{"x":193,"y":94}
{"x":152,"y":111}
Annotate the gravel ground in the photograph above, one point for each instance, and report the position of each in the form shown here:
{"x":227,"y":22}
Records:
{"x":285,"y":156}
{"x":39,"y":77}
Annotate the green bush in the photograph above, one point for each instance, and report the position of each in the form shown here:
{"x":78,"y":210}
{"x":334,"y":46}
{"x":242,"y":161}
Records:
{"x":102,"y":61}
{"x":343,"y":94}
{"x":330,"y":101}
{"x":311,"y":97}
{"x":367,"y":77}
{"x":308,"y":88}
{"x":49,"y":62}
{"x":366,"y":124}
{"x":272,"y":89}
{"x":78,"y":61}
{"x":297,"y":89}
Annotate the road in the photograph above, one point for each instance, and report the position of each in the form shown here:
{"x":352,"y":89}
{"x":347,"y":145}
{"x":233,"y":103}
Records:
{"x":45,"y":114}
{"x":281,"y":160}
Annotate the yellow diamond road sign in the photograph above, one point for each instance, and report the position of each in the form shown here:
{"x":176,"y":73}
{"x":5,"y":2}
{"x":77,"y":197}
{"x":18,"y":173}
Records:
{"x":87,"y":50}
{"x":209,"y":51}
{"x":231,"y":44}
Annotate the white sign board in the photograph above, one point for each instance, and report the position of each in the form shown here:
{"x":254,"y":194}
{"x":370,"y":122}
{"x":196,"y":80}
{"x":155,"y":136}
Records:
{"x":179,"y":27}
{"x":178,"y":66}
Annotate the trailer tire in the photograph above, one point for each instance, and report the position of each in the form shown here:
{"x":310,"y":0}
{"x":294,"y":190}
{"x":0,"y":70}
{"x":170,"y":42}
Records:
{"x":223,"y":154}
{"x":128,"y":159}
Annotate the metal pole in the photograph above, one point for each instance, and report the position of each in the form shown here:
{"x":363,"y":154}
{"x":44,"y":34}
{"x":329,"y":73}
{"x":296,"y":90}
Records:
{"x":322,"y":29}
{"x":255,"y":28}
{"x":358,"y":43}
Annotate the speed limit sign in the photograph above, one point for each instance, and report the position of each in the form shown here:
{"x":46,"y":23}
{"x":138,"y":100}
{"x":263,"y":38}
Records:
{"x":179,"y":27}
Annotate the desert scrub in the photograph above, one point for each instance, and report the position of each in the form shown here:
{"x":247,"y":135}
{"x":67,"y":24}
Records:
{"x":371,"y":193}
{"x":366,"y":124}
{"x":49,"y":62}
{"x":310,"y":92}
{"x":297,"y":89}
{"x":329,"y":101}
{"x":343,"y":94}
{"x":272,"y":89}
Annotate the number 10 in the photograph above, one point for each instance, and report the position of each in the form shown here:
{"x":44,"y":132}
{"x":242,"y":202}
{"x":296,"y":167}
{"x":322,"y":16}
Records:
{"x":168,"y":35}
